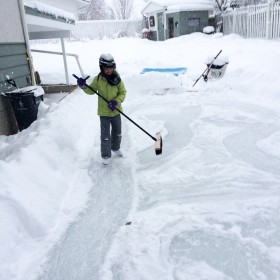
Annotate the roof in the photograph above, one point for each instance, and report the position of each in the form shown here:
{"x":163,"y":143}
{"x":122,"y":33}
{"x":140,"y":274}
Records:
{"x":178,"y":5}
{"x":44,"y":21}
{"x":50,"y":10}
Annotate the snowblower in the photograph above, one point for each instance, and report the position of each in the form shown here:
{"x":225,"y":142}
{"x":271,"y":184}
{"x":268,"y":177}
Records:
{"x":157,"y":139}
{"x":207,"y":70}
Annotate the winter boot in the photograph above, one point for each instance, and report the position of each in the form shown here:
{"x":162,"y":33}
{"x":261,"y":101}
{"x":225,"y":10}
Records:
{"x":118,"y":153}
{"x":105,"y":161}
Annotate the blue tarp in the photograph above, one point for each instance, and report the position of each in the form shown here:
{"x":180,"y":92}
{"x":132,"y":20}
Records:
{"x":175,"y":71}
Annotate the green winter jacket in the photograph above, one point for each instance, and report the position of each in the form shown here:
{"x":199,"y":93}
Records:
{"x":117,"y":93}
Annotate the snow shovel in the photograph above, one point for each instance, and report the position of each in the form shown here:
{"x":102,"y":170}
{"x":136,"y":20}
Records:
{"x":157,"y":139}
{"x":206,"y":71}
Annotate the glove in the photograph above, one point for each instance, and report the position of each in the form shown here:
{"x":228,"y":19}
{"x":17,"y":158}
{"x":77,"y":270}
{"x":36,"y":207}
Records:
{"x":81,"y":82}
{"x":113,"y":104}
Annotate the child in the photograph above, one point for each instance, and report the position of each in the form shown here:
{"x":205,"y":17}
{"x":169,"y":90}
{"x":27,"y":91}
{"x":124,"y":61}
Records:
{"x":109,"y":85}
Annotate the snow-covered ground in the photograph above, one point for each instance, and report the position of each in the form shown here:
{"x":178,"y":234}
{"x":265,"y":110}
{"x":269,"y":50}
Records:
{"x":207,"y":208}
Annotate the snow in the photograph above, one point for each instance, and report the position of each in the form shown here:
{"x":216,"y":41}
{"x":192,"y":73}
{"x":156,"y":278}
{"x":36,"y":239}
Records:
{"x":220,"y":60}
{"x":49,"y":10}
{"x":186,"y":4}
{"x":207,"y":208}
{"x":36,"y":90}
{"x":209,"y":30}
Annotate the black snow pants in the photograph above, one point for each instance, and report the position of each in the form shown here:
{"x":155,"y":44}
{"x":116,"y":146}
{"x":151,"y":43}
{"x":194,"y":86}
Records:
{"x":111,"y":135}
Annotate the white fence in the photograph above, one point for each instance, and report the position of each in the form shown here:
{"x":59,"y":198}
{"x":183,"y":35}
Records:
{"x":260,"y":21}
{"x":98,"y":29}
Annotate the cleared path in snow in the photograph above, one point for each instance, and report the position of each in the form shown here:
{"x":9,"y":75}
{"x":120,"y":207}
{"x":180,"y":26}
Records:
{"x":83,"y":248}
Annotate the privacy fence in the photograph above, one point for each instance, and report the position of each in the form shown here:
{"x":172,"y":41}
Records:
{"x":260,"y":21}
{"x":99,"y":29}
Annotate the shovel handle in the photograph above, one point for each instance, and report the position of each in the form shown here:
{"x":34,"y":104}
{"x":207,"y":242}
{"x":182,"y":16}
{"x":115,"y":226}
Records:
{"x":154,"y":138}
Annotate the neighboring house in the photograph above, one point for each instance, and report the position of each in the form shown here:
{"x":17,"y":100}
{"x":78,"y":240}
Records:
{"x":173,"y":18}
{"x":19,"y":24}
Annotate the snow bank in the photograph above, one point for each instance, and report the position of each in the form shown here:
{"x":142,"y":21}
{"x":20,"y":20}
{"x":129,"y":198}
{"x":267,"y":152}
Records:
{"x":215,"y":188}
{"x":44,"y":181}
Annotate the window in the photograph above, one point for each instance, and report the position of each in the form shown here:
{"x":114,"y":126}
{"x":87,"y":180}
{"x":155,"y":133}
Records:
{"x":176,"y":24}
{"x":193,"y":22}
{"x":152,"y":21}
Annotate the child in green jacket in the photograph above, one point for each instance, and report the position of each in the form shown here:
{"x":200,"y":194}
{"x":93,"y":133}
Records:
{"x":109,"y":85}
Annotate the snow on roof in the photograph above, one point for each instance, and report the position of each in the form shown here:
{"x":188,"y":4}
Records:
{"x":49,"y":10}
{"x":185,"y":4}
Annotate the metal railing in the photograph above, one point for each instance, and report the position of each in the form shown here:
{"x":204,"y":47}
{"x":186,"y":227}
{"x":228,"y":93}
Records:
{"x":64,"y":61}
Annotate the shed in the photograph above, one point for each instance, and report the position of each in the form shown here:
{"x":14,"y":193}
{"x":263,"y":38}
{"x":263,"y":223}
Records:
{"x":172,"y":18}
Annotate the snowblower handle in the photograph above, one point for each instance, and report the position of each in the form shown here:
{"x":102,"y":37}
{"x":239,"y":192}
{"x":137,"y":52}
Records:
{"x":207,"y":68}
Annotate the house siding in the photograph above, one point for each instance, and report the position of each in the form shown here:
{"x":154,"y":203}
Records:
{"x":14,"y":65}
{"x":160,"y":25}
{"x":176,"y":23}
{"x":11,"y":27}
{"x":8,"y":124}
{"x":185,"y":16}
{"x":175,"y":17}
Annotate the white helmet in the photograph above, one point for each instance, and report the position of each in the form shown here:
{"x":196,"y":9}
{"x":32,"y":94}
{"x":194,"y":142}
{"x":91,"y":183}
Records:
{"x":106,"y":60}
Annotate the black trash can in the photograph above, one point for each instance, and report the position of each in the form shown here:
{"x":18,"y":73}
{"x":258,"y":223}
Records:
{"x":25,"y":103}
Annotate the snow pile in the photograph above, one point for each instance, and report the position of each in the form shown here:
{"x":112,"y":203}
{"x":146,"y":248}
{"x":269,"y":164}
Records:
{"x":209,"y":30}
{"x":207,"y":208}
{"x":44,"y":181}
{"x":36,"y":90}
{"x":221,"y":60}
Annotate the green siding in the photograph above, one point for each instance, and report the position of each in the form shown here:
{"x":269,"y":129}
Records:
{"x":12,"y":49}
{"x":176,"y":30}
{"x":160,"y":27}
{"x":154,"y":36}
{"x":185,"y":16}
{"x":8,"y":123}
{"x":180,"y":24}
{"x":12,"y":60}
{"x":14,"y":65}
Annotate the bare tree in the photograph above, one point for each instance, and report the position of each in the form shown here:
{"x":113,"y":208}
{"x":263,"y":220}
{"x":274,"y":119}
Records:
{"x":221,"y":4}
{"x":96,"y":10}
{"x":123,"y":8}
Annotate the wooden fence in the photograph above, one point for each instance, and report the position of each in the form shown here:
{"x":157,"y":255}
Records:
{"x":259,"y":21}
{"x":99,"y":29}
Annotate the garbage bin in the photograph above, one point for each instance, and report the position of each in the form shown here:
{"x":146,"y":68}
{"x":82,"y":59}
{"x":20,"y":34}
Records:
{"x":25,"y":103}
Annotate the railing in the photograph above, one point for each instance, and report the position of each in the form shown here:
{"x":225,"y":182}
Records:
{"x":65,"y":64}
{"x":99,"y":29}
{"x":259,"y":21}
